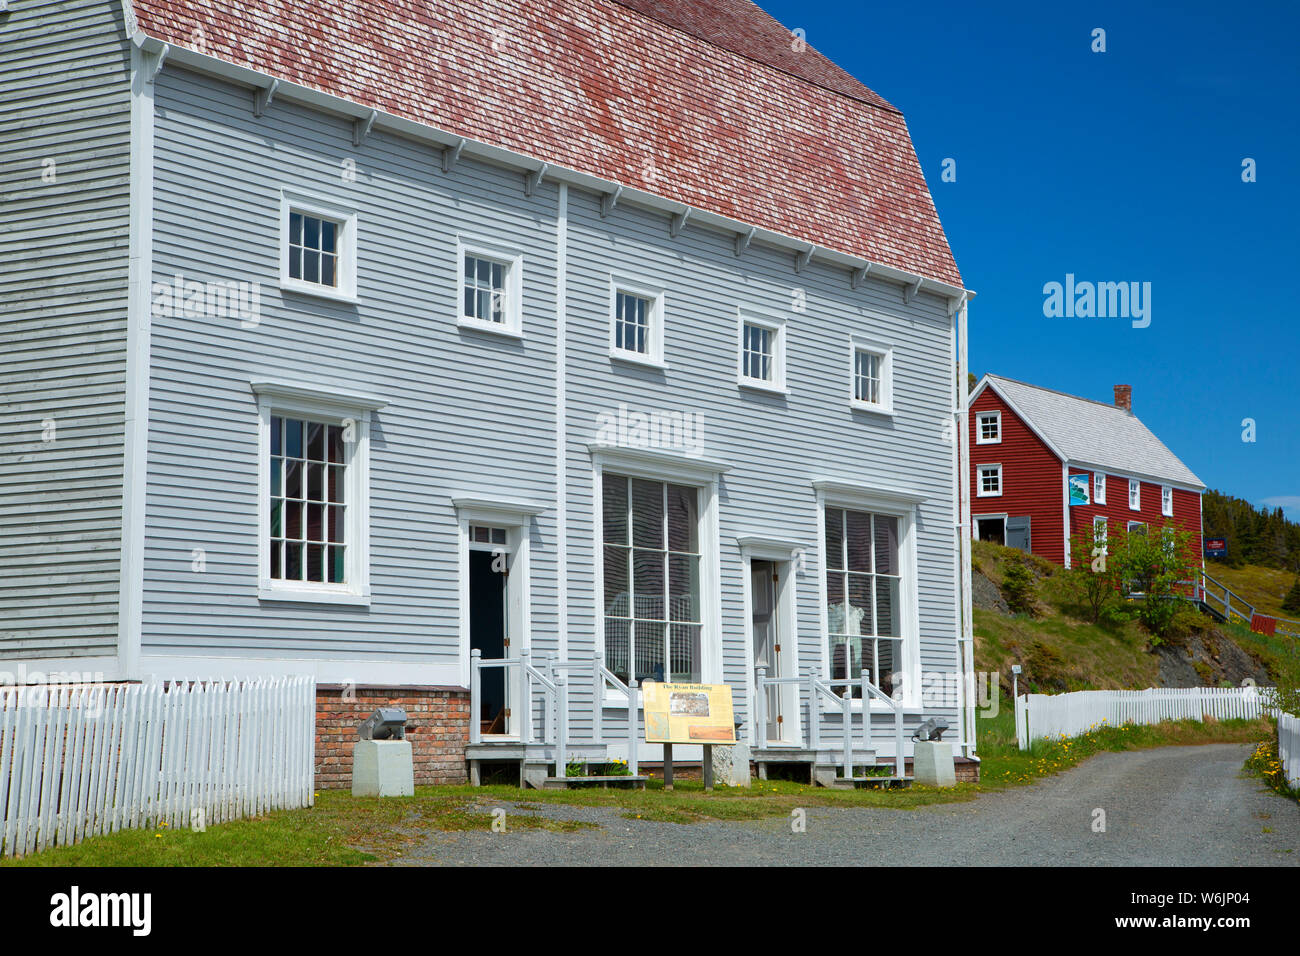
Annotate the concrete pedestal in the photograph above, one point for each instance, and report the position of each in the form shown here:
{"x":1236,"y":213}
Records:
{"x":382,"y":768}
{"x":731,"y":764}
{"x":933,"y":764}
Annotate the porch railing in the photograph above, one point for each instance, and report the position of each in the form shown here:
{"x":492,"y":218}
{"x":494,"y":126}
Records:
{"x":547,"y":681}
{"x":820,"y":691}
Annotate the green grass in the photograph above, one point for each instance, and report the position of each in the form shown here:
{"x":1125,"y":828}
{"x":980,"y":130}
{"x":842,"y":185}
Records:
{"x":1263,"y":587}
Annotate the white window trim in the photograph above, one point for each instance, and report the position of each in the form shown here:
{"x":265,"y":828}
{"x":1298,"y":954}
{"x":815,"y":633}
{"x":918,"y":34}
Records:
{"x":1104,"y":540}
{"x":902,"y":505}
{"x":979,"y":481}
{"x":777,"y":385}
{"x":289,"y":400}
{"x":346,"y":218}
{"x":886,"y":355}
{"x":1134,"y":484}
{"x":1167,"y":500}
{"x":700,"y":473}
{"x":979,"y":427}
{"x":513,"y":260}
{"x":654,"y":356}
{"x":1098,"y":488}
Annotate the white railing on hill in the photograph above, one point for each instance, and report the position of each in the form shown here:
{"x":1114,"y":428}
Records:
{"x":1288,"y":748}
{"x":84,"y":760}
{"x":1043,"y":716}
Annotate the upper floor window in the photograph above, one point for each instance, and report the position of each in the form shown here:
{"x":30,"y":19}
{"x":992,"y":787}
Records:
{"x":1098,"y":489}
{"x":762,"y":353}
{"x":990,"y":481}
{"x":317,"y":248}
{"x":1166,"y":500}
{"x":988,"y":428}
{"x":636,"y":323}
{"x":1134,"y":494}
{"x":863,"y":596}
{"x":653,"y":616}
{"x":490,"y":287}
{"x":1099,"y":531}
{"x":872,"y":376}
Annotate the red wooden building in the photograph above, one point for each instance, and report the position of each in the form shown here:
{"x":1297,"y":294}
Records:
{"x":1032,"y":449}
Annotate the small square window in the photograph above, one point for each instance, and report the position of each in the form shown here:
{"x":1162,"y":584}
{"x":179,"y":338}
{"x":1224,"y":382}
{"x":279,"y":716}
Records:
{"x":990,"y":481}
{"x":636,"y":323}
{"x":317,"y":248}
{"x":762,"y":353}
{"x":988,"y":428}
{"x":489,"y":285}
{"x":871,"y":376}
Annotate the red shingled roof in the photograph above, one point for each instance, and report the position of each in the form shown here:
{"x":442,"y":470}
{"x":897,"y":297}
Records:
{"x":711,"y":92}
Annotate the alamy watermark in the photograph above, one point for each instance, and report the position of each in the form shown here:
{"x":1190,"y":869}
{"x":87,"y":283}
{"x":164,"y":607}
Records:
{"x":191,"y":299}
{"x":657,"y":429}
{"x":1101,"y":300}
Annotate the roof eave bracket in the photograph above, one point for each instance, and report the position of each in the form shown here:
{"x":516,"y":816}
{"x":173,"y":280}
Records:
{"x":263,"y":97}
{"x":910,"y":291}
{"x":451,"y":154}
{"x":859,"y":276}
{"x":678,"y":222}
{"x":743,"y":239}
{"x":534,"y":179}
{"x":609,"y":200}
{"x":361,"y":127}
{"x":801,"y":259}
{"x":158,"y":60}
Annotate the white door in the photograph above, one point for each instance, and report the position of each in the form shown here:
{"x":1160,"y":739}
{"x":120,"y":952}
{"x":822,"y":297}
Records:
{"x":766,"y":627}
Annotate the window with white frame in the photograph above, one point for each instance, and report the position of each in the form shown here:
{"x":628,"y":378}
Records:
{"x":317,"y":247}
{"x":871,"y":376}
{"x":653,"y":617}
{"x":1166,"y":501}
{"x":312,"y":506}
{"x":636,"y":323}
{"x":762,"y":353}
{"x":489,"y":289}
{"x":1098,"y":488}
{"x":1134,"y":494}
{"x":1100,"y":532}
{"x":988,"y":428}
{"x":863,"y":596}
{"x":990,"y":481}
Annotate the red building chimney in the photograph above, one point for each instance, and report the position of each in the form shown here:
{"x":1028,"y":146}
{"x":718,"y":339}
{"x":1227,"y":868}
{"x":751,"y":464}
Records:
{"x":1124,"y":397}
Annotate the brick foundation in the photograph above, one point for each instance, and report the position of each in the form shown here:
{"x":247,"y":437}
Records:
{"x":437,"y":726}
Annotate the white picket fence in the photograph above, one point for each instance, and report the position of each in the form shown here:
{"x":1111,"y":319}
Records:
{"x":1042,"y":716}
{"x":84,"y":760}
{"x":1288,"y":748}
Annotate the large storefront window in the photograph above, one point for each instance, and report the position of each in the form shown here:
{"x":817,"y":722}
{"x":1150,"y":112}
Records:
{"x":652,"y":579}
{"x":863,"y":585}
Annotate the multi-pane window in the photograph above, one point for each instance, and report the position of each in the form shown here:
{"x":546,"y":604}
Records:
{"x":990,"y":480}
{"x":481,"y":534}
{"x":307,"y":501}
{"x":313,"y":249}
{"x":990,"y":428}
{"x":868,"y":368}
{"x":1099,"y":488}
{"x":484,"y":284}
{"x":1166,"y":500}
{"x":632,"y":317}
{"x":1099,"y":531}
{"x":652,"y":579}
{"x":757,"y":355}
{"x":1134,"y":494}
{"x":863,"y":587}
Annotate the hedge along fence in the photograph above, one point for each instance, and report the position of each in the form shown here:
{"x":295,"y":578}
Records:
{"x":1044,"y":716}
{"x":79,"y":761}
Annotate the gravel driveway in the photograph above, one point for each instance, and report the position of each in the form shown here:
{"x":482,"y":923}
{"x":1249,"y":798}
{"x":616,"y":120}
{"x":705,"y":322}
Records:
{"x":1167,"y":806}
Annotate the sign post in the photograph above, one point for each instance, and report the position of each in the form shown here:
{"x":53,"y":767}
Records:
{"x":688,"y":714}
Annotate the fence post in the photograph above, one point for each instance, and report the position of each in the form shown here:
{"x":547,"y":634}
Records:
{"x":632,"y":763}
{"x":562,"y":730}
{"x":597,"y":697}
{"x":526,"y":695}
{"x":760,"y":706}
{"x":814,"y":710}
{"x":846,"y":707}
{"x":475,"y":693}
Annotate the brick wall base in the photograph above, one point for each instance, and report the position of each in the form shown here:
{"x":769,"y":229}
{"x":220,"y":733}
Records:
{"x":437,"y":725}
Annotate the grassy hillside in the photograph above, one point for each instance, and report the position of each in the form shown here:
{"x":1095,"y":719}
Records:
{"x":1263,"y":587}
{"x":1060,"y":650}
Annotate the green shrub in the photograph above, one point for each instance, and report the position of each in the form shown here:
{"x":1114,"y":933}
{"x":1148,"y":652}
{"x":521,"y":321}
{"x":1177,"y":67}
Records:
{"x":1020,"y":588}
{"x":1292,"y":600}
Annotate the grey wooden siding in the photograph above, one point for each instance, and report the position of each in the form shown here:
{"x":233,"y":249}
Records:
{"x":472,"y":413}
{"x":65,"y":100}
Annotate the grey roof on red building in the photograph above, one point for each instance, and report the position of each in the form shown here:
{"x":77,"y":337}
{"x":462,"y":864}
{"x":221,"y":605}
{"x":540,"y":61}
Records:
{"x":1091,"y":433}
{"x":714,"y":93}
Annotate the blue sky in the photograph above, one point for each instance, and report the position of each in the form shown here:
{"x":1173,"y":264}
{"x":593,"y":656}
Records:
{"x":1117,"y":166}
